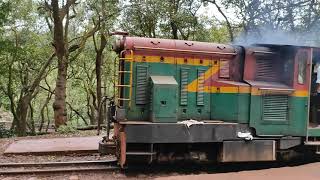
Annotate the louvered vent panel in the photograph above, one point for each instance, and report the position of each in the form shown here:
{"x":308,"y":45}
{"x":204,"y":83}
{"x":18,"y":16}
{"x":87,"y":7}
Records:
{"x":275,"y":108}
{"x":141,"y":85}
{"x":224,"y":68}
{"x":200,"y":92}
{"x":183,"y":86}
{"x":265,"y":70}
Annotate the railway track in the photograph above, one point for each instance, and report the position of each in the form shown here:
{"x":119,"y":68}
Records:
{"x":57,"y":167}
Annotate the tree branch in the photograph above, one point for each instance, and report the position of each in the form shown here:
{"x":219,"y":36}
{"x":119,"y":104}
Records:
{"x":39,"y":77}
{"x":224,"y":16}
{"x":78,"y":113}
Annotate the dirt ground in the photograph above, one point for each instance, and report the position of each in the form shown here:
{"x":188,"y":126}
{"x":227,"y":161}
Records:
{"x":306,"y":171}
{"x":310,"y":171}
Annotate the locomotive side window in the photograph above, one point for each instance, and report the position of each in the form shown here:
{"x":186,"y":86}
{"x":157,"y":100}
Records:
{"x":302,"y":59}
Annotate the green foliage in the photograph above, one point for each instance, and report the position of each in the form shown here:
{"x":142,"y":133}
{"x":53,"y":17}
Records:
{"x":5,"y":133}
{"x":5,"y":7}
{"x":69,"y":128}
{"x":166,"y":19}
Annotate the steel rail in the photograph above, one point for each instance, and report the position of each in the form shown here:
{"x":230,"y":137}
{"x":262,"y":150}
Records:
{"x":56,"y":163}
{"x":51,"y":167}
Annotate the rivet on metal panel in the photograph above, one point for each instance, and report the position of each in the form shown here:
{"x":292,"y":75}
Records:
{"x":155,"y":43}
{"x":189,"y":44}
{"x":221,"y":48}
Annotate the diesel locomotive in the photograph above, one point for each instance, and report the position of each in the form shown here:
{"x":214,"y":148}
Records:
{"x":187,"y":100}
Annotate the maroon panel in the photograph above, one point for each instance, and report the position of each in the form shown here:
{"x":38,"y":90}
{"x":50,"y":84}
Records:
{"x":304,"y":86}
{"x":132,"y":42}
{"x":249,"y":65}
{"x":177,"y":48}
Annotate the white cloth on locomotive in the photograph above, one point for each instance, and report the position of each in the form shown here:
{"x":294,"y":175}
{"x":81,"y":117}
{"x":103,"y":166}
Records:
{"x":246,"y":135}
{"x":190,"y":122}
{"x":318,"y":73}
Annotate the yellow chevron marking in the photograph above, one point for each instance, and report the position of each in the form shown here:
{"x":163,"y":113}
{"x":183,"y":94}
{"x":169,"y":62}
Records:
{"x":193,"y":86}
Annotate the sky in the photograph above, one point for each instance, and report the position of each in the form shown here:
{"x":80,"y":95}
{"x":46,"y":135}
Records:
{"x":211,"y":11}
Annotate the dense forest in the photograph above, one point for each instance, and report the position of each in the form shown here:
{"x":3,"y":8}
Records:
{"x":56,"y":59}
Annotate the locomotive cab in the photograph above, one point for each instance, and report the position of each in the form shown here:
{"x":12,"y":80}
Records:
{"x":314,"y":109}
{"x":278,"y":75}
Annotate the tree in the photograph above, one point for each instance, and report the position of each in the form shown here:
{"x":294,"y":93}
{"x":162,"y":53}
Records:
{"x":21,"y":76}
{"x":230,"y":29}
{"x":60,"y":37}
{"x":61,"y":17}
{"x":290,"y":18}
{"x":175,"y":19}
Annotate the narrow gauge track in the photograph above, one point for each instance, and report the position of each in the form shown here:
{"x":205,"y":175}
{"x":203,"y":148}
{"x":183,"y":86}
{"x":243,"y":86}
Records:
{"x":56,"y":167}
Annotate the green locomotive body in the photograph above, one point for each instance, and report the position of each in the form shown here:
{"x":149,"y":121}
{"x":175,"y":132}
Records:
{"x":203,"y":101}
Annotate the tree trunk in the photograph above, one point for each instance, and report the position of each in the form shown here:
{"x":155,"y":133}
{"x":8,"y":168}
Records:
{"x":42,"y":113}
{"x":174,"y":30}
{"x":99,"y":55}
{"x":59,"y":105}
{"x":22,"y":112}
{"x":93,"y":115}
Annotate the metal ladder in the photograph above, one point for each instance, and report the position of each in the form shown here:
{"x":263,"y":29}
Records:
{"x":118,"y":97}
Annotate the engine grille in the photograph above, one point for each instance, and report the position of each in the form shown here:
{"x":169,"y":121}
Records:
{"x":183,"y":89}
{"x":265,"y":70}
{"x":275,"y":108}
{"x":200,"y":92}
{"x":141,"y":86}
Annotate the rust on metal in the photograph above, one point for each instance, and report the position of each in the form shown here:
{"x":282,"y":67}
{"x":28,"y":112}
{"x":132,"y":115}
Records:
{"x":116,"y":130}
{"x":123,"y":148}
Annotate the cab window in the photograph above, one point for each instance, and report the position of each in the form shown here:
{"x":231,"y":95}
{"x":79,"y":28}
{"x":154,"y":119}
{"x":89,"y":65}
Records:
{"x":302,"y":61}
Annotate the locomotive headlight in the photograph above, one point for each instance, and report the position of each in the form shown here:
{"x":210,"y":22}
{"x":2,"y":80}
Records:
{"x":118,"y":42}
{"x":116,"y":46}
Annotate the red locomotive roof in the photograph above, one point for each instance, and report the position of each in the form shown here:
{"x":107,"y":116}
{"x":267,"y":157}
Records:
{"x":176,"y":46}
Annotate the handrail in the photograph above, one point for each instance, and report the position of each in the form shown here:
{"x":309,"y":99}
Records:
{"x":131,"y":68}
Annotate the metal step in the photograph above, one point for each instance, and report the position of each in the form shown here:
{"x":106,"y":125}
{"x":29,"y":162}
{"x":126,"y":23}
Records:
{"x":123,"y":99}
{"x":123,"y":85}
{"x":312,"y":143}
{"x":124,"y":71}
